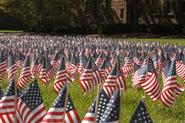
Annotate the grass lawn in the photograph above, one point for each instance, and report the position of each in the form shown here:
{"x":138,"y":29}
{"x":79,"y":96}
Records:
{"x":10,"y":31}
{"x":129,"y":100}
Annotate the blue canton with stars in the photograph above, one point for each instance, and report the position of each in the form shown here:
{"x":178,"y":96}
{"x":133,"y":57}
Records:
{"x":70,"y":105}
{"x":32,"y":96}
{"x":92,"y":107}
{"x":60,"y":100}
{"x":151,"y":67}
{"x":141,"y":115}
{"x":172,"y":70}
{"x":112,"y":111}
{"x":103,"y":101}
{"x":1,"y":93}
{"x":166,"y":67}
{"x":10,"y":89}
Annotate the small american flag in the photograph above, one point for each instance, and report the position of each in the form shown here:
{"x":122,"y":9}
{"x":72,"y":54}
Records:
{"x":171,"y":89}
{"x":90,"y":116}
{"x":103,"y":72}
{"x":30,"y":104}
{"x":71,"y":115}
{"x":1,"y":93}
{"x":141,"y":114}
{"x":111,"y":114}
{"x":56,"y":113}
{"x":155,"y":60}
{"x":62,"y":76}
{"x":151,"y":84}
{"x":86,"y":78}
{"x":3,"y":66}
{"x":110,"y":84}
{"x":128,"y":69}
{"x":43,"y":73}
{"x":8,"y":104}
{"x":100,"y":59}
{"x":102,"y":104}
{"x":180,"y":69}
{"x":55,"y":61}
{"x":12,"y":67}
{"x":139,"y":76}
{"x":96,"y":75}
{"x":25,"y":76}
{"x":73,"y":67}
{"x":34,"y":66}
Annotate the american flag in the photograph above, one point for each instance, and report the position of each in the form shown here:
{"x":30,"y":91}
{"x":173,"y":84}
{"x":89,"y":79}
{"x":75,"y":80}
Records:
{"x":96,"y":75}
{"x":151,"y":84}
{"x":8,"y":104}
{"x":161,"y":60}
{"x":25,"y":76}
{"x":3,"y":66}
{"x":100,"y":59}
{"x":83,"y":62}
{"x":12,"y":67}
{"x":90,"y":116}
{"x":102,"y":104}
{"x":127,"y":68}
{"x":30,"y":104}
{"x":34,"y":66}
{"x":156,"y":61}
{"x":110,"y":84}
{"x":19,"y":57}
{"x":55,"y":61}
{"x":111,"y":114}
{"x":121,"y":82}
{"x":71,"y":115}
{"x":62,"y":76}
{"x":141,"y":114}
{"x":102,"y":71}
{"x":86,"y":78}
{"x":180,"y":69}
{"x":43,"y":73}
{"x":73,"y":67}
{"x":165,"y":69}
{"x":49,"y":69}
{"x":171,"y":89}
{"x":56,"y":112}
{"x":139,"y":76}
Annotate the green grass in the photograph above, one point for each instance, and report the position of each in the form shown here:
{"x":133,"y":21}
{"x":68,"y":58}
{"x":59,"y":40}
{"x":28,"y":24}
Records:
{"x":10,"y":31}
{"x":129,"y":100}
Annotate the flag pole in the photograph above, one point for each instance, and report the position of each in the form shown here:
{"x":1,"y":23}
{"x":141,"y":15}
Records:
{"x":15,"y":90}
{"x":97,"y":100}
{"x":66,"y":99}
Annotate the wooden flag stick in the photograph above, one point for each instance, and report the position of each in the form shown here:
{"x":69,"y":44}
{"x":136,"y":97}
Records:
{"x":66,"y":99}
{"x":15,"y":99}
{"x":97,"y":100}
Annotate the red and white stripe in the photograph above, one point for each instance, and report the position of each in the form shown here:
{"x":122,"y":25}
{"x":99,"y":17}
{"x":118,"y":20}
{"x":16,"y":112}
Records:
{"x":137,"y":79}
{"x":128,"y":68}
{"x":170,"y":91}
{"x":103,"y":74}
{"x":25,"y":77}
{"x":3,"y":67}
{"x":99,"y":61}
{"x":7,"y":109}
{"x":96,"y":77}
{"x":73,"y":70}
{"x":110,"y":85}
{"x":55,"y":64}
{"x":80,"y":68}
{"x":54,"y":115}
{"x":29,"y":116}
{"x":180,"y":69}
{"x":60,"y":80}
{"x":72,"y":117}
{"x":12,"y":71}
{"x":151,"y":86}
{"x":86,"y":80}
{"x":89,"y":118}
{"x":43,"y":76}
{"x":121,"y":83}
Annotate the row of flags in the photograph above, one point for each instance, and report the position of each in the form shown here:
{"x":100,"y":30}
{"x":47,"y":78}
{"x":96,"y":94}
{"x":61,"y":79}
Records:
{"x":95,"y":62}
{"x":28,"y":107}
